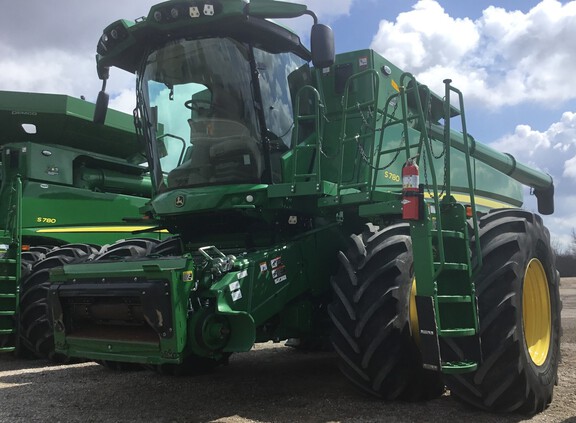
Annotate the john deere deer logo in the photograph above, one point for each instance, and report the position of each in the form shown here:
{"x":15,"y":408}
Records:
{"x":180,"y":201}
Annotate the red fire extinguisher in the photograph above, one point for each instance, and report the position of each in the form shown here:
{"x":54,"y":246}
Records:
{"x":410,"y":191}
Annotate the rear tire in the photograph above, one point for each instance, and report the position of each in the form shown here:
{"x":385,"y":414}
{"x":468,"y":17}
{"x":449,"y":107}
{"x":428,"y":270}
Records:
{"x":519,"y":312}
{"x":371,"y":316}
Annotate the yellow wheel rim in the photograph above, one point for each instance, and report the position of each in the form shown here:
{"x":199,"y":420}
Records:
{"x":414,"y":328}
{"x":536,"y":312}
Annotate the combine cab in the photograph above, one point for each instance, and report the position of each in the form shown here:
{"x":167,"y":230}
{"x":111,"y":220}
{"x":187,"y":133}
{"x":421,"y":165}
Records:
{"x":315,"y":198}
{"x":68,"y":186}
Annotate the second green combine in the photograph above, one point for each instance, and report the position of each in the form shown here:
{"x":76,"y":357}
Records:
{"x":68,"y":187}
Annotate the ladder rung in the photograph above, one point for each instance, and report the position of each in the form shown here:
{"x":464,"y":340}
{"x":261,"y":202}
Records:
{"x":7,"y":261}
{"x":6,"y":331}
{"x":452,"y":266}
{"x":449,"y":234}
{"x":7,"y":313}
{"x":457,"y":332}
{"x":7,"y":278}
{"x":454,"y":298}
{"x":452,"y":367}
{"x":7,"y":349}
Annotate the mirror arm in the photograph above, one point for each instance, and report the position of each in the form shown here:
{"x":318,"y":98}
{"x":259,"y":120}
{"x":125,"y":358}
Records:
{"x":309,"y":12}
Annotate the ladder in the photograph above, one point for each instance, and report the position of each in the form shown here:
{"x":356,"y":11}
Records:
{"x":441,"y":240}
{"x":10,"y":269}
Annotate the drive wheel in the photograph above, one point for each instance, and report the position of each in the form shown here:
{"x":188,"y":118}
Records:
{"x":35,"y":323}
{"x":169,"y":247}
{"x":519,"y":312}
{"x":372,"y":317}
{"x":126,"y":248}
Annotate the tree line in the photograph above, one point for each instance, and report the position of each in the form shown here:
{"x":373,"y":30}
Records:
{"x":566,"y":258}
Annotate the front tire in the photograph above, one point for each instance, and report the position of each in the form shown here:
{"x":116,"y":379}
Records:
{"x":371,"y":316}
{"x":35,"y":323}
{"x":519,"y":312}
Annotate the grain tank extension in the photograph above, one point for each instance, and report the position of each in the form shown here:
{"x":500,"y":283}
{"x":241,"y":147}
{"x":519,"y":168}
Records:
{"x":315,"y":197}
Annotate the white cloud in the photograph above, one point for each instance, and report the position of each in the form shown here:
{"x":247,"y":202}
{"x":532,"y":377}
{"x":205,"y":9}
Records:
{"x":59,"y":71}
{"x":503,"y":58}
{"x":570,"y":168}
{"x":326,"y":11}
{"x":553,"y":149}
{"x":417,"y":39}
{"x":554,"y":152}
{"x":125,"y":101}
{"x":52,"y":71}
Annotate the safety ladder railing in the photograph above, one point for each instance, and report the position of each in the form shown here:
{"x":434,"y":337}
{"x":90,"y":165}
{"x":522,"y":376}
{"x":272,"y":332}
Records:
{"x":405,"y":144}
{"x":441,"y":244}
{"x":367,"y":112}
{"x":10,"y":262}
{"x":312,"y":144}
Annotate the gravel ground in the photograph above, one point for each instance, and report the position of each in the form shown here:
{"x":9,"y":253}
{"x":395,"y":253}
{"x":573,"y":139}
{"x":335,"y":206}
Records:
{"x":272,"y":383}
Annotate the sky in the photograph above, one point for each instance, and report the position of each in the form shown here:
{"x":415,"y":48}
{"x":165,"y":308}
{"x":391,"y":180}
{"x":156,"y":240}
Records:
{"x":513,"y":60}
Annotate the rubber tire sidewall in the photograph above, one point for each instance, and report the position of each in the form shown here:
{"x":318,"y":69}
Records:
{"x":508,"y":380}
{"x":382,"y":357}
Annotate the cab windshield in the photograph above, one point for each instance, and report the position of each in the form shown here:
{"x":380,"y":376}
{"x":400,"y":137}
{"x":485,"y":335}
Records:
{"x":207,"y":108}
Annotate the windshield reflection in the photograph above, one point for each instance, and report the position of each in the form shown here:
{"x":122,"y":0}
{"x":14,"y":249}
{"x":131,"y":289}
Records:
{"x":200,"y":91}
{"x":202,"y":96}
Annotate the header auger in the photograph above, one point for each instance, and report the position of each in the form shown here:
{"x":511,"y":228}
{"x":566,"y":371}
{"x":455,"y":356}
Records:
{"x":289,"y":192}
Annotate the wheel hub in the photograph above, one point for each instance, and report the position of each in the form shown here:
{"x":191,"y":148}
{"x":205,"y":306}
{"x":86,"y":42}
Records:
{"x":536,"y":312}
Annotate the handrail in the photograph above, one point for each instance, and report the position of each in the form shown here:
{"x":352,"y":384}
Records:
{"x":466,"y":150}
{"x":424,"y":144}
{"x":316,"y":116}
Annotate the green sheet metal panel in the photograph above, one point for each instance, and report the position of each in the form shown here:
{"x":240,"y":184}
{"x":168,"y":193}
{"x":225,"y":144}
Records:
{"x":66,"y":121}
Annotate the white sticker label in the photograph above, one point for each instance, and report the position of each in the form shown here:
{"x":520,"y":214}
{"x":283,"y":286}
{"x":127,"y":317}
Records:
{"x":209,"y":9}
{"x":242,"y":274}
{"x":194,"y":12}
{"x":236,"y":295}
{"x":263,"y":267}
{"x":235,"y":291}
{"x":280,"y":279}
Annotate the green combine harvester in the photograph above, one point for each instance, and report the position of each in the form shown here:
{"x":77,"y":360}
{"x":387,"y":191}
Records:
{"x":316,"y":198}
{"x":67,"y":187}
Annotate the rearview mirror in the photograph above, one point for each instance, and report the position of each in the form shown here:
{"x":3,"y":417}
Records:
{"x":101,"y":108}
{"x":322,"y":46}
